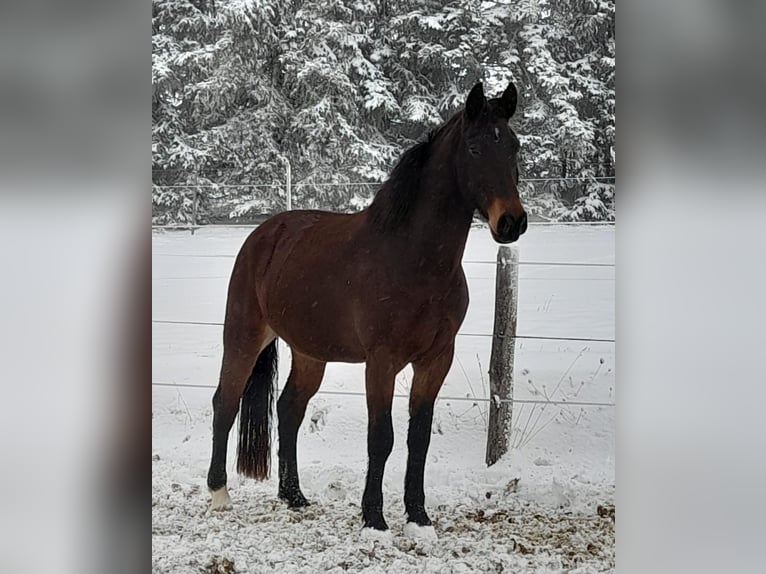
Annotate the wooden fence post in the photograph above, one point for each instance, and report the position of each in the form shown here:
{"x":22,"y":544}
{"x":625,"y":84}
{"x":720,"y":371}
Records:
{"x":289,"y":184}
{"x":195,"y":191}
{"x":503,"y":345}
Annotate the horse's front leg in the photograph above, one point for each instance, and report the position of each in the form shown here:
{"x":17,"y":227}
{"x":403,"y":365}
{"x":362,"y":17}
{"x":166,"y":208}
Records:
{"x":429,"y":374}
{"x":379,"y":379}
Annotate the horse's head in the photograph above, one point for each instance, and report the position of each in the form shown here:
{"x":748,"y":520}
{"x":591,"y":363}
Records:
{"x":487,"y":162}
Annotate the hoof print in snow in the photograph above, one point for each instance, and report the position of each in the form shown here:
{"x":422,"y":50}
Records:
{"x":521,"y":549}
{"x":318,"y":420}
{"x":220,"y":566}
{"x":383,"y":537}
{"x":420,"y":534}
{"x":605,"y":511}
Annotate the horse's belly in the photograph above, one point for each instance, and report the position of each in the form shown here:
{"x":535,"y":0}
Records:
{"x":316,"y":326}
{"x":327,"y":351}
{"x":322,"y":348}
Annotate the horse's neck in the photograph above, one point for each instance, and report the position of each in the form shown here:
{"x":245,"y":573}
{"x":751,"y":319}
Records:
{"x":441,"y":219}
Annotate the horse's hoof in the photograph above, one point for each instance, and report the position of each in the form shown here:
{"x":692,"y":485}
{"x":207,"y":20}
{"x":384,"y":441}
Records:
{"x":376,"y":522}
{"x":221,"y":500}
{"x":295,"y":500}
{"x":297,"y":503}
{"x":418,"y":517}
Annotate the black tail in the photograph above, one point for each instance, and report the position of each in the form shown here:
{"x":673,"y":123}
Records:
{"x":255,"y":413}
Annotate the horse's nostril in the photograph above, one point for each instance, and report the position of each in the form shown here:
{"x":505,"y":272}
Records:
{"x":504,"y":225}
{"x":523,"y":223}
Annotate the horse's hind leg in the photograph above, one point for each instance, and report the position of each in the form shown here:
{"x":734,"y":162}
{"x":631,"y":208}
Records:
{"x":304,"y":380}
{"x":239,"y":357}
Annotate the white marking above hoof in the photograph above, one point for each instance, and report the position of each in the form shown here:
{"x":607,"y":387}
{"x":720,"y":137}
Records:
{"x":221,"y":500}
{"x":382,"y":536}
{"x":420,"y":533}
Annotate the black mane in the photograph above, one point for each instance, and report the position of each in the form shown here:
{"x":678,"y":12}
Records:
{"x":396,"y":197}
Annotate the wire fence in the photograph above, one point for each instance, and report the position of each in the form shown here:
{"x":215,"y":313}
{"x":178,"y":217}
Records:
{"x":474,"y":400}
{"x":465,"y":261}
{"x":531,"y":337}
{"x":190,"y":226}
{"x":355,"y":183}
{"x":222,"y":277}
{"x":404,"y":396}
{"x":198,"y":202}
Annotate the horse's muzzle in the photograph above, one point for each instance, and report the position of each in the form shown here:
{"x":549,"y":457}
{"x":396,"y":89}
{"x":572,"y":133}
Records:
{"x":508,"y":228}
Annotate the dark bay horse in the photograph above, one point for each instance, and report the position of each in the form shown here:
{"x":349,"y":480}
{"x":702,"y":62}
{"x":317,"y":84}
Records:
{"x":384,"y":287}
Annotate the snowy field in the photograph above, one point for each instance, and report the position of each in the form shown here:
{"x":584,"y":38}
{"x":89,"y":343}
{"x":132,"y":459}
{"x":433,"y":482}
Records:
{"x":546,"y":507}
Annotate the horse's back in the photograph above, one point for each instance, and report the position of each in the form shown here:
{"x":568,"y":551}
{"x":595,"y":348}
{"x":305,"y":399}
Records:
{"x":289,"y":234}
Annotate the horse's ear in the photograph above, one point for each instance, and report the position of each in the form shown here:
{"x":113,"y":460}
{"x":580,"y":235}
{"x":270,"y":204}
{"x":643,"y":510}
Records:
{"x":507,"y":102}
{"x":475,"y":102}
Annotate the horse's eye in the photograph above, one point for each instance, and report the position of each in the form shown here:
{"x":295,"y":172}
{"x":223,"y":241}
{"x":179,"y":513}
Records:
{"x":497,"y":134}
{"x":473,"y":150}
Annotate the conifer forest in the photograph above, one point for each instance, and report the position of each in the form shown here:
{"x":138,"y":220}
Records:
{"x":340,"y":88}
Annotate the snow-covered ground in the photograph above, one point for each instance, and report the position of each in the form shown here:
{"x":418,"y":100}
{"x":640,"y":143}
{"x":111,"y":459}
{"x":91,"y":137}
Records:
{"x":558,"y":515}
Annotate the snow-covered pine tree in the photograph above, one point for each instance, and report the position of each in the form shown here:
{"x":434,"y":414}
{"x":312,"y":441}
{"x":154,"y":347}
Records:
{"x":215,"y":111}
{"x":340,"y":101}
{"x":341,"y":88}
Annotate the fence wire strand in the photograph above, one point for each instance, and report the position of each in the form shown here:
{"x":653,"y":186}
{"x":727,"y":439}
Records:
{"x":404,"y":396}
{"x":189,"y":226}
{"x":532,"y":337}
{"x":353,"y":183}
{"x":465,"y":262}
{"x":221,"y":277}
